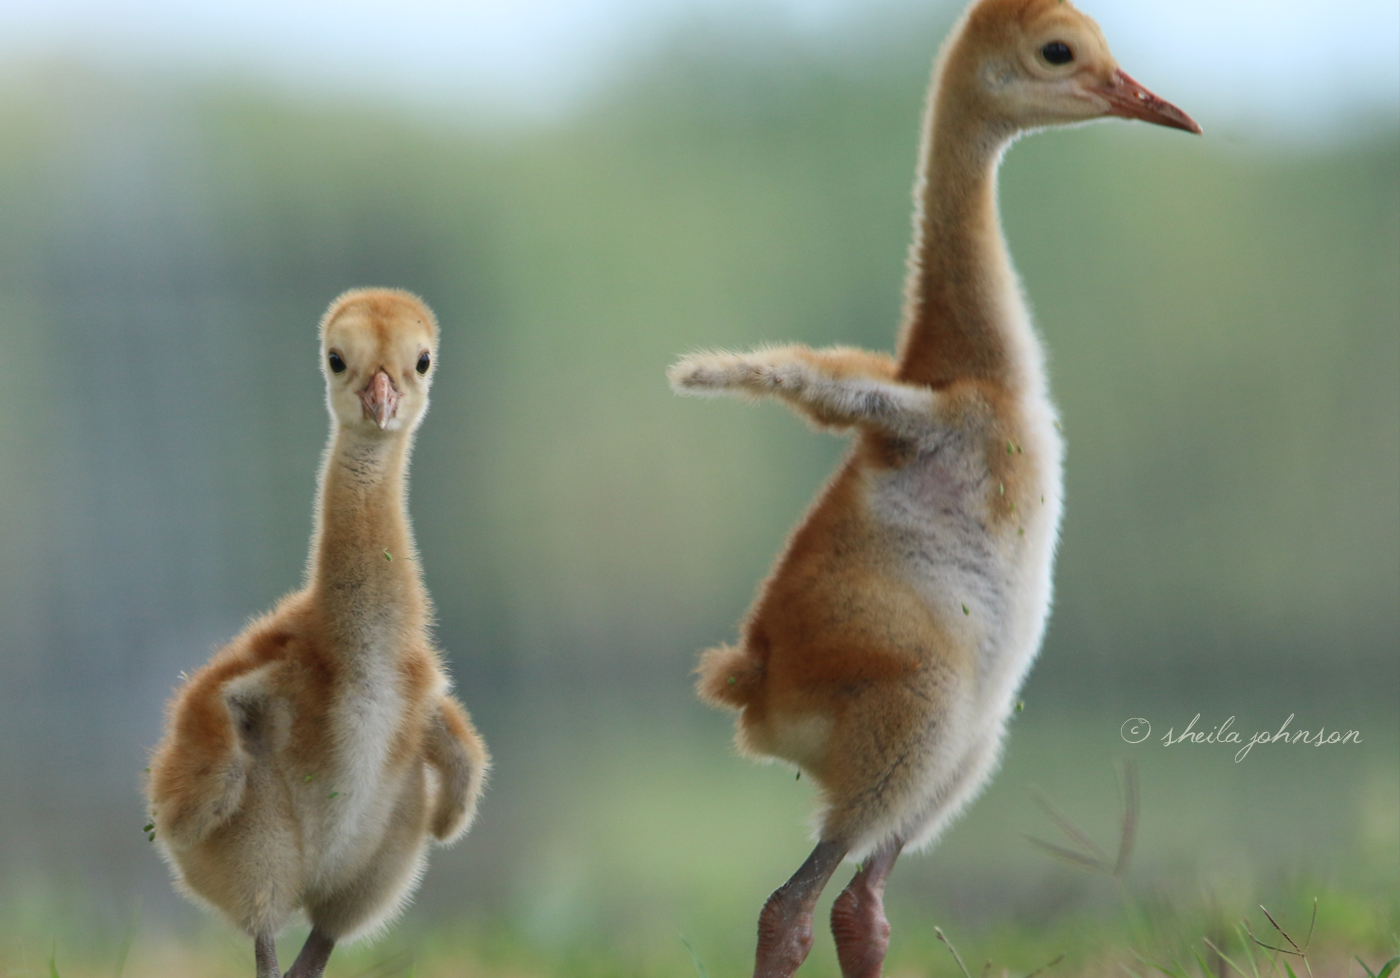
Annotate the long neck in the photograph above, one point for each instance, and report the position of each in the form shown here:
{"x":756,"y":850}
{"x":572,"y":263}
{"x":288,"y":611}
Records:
{"x":363,"y":571}
{"x":963,"y":313}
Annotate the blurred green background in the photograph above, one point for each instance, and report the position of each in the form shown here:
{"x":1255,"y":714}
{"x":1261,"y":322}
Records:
{"x":1223,"y":321}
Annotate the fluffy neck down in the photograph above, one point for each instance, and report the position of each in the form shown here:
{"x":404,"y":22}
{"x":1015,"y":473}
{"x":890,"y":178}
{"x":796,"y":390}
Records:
{"x":363,"y":574}
{"x":964,"y":317}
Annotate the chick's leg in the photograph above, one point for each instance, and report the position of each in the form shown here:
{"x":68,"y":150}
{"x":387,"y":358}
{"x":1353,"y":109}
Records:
{"x":311,"y":962}
{"x":265,"y":953}
{"x":858,"y":917}
{"x":785,"y":925}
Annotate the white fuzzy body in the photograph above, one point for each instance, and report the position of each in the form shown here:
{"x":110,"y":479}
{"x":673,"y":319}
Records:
{"x":934,"y":512}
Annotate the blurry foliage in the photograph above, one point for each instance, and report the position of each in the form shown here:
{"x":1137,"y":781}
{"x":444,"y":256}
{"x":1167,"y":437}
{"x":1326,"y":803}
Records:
{"x":1221,"y":322}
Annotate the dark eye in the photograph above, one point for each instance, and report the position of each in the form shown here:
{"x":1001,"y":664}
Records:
{"x":337,"y":364}
{"x":424,"y":362}
{"x":1057,"y":53}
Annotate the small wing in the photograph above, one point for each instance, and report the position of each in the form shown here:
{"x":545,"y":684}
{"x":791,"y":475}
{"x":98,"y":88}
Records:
{"x":455,"y":750}
{"x":838,"y":387}
{"x":220,"y":725}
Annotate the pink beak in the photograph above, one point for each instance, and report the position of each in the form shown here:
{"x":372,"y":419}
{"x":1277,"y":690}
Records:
{"x":1131,"y":101}
{"x":380,"y":398}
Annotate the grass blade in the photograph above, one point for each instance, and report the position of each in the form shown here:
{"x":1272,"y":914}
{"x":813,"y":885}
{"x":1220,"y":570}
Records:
{"x":1178,"y":973}
{"x":700,"y":969}
{"x":129,"y":938}
{"x":1269,"y":947}
{"x":1222,"y":956}
{"x":1128,"y":835}
{"x":1241,"y":931}
{"x":1043,"y":967}
{"x":1387,"y":968}
{"x":938,"y":933}
{"x":1071,"y":831}
{"x":1296,"y":948}
{"x":1069,"y":855}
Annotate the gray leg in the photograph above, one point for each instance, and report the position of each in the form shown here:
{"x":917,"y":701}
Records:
{"x":785,"y":926}
{"x":858,"y":917}
{"x":265,"y":951}
{"x":311,"y":962}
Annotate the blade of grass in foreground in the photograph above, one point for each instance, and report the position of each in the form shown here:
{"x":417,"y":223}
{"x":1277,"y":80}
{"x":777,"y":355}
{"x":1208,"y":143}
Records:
{"x":128,"y":939}
{"x":700,"y":969}
{"x":1385,"y":971}
{"x":1223,"y":957}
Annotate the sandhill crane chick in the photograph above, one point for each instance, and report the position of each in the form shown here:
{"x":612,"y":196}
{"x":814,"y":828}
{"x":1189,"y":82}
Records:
{"x":883,"y":655}
{"x":309,"y":763}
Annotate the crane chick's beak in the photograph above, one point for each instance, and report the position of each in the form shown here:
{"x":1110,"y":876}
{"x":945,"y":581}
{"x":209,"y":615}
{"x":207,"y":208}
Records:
{"x":1130,"y":100}
{"x":380,"y":398}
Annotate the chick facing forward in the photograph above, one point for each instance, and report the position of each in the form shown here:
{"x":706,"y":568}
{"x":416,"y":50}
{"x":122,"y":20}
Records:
{"x":309,"y":764}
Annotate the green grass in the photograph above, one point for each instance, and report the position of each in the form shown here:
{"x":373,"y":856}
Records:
{"x":621,"y":843}
{"x":1309,"y":930}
